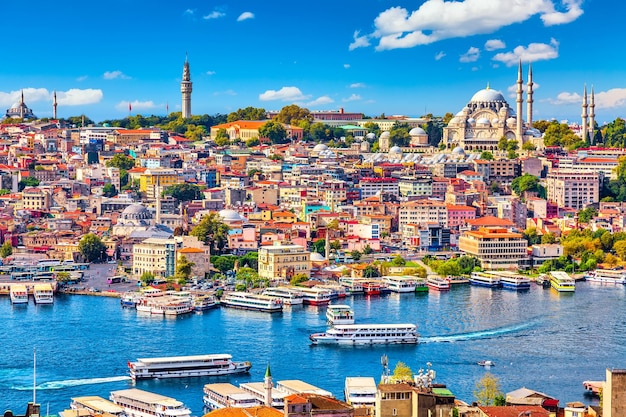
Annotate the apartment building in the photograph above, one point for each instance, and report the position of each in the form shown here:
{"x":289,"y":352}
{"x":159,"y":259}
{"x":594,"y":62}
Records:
{"x":422,"y":211}
{"x":573,"y":189}
{"x":377,"y":186}
{"x":282,"y":262}
{"x":496,"y":248}
{"x":155,"y":255}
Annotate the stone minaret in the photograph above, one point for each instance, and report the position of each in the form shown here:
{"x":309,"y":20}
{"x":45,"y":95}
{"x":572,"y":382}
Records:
{"x":185,"y":89}
{"x":529,"y":100}
{"x":592,"y":116}
{"x":520,"y":102}
{"x":22,"y":106}
{"x":54,"y":106}
{"x":585,"y":122}
{"x":268,"y":385}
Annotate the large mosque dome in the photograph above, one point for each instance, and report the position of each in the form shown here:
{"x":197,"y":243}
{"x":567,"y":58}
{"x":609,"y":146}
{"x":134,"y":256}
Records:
{"x":487,"y":95}
{"x":229,"y":215}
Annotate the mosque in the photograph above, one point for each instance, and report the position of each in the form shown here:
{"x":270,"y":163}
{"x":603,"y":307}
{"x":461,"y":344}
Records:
{"x":20,"y":111}
{"x":487,"y":118}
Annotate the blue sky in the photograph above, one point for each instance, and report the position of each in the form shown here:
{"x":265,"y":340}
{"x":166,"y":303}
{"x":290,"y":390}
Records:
{"x":375,"y":56}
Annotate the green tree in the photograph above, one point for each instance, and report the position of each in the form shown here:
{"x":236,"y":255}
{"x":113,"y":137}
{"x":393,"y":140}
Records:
{"x":399,"y":134}
{"x":183,"y":270}
{"x":370,"y":271}
{"x":248,"y":276}
{"x":532,"y":236}
{"x":487,"y":389}
{"x":486,"y":155}
{"x":252,"y":142}
{"x":222,"y":138}
{"x":223,"y":263}
{"x":560,"y":134}
{"x":250,"y":259}
{"x":615,"y":133}
{"x":356,"y":255}
{"x":121,"y":161}
{"x":402,"y":372}
{"x":147,"y":278}
{"x":367,"y":250}
{"x":195,"y":133}
{"x":372,"y":128}
{"x":212,"y":231}
{"x":298,"y":279}
{"x":292,"y":114}
{"x":92,"y":248}
{"x":619,"y":248}
{"x":249,"y":113}
{"x":27,"y":182}
{"x":528,"y":146}
{"x":109,"y":190}
{"x":319,"y":246}
{"x":184,"y":192}
{"x":63,"y":277}
{"x":6,"y":249}
{"x":541,"y":125}
{"x":398,"y":261}
{"x":585,"y":215}
{"x":548,"y":238}
{"x":525,"y":183}
{"x":274,"y":131}
{"x":503,"y":143}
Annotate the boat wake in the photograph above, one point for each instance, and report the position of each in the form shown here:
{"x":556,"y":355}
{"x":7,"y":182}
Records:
{"x":52,"y":385}
{"x":482,"y":334}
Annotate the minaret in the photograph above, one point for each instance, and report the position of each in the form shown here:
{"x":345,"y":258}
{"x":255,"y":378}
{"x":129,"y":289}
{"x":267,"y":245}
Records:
{"x":267,"y":385}
{"x":529,"y":100}
{"x":54,"y":106}
{"x":185,"y":89}
{"x":22,"y":106}
{"x":584,"y":124}
{"x":520,"y":101}
{"x":592,"y":116}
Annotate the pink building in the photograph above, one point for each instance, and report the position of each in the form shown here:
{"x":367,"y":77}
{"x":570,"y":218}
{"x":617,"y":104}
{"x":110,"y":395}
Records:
{"x":458,"y":215}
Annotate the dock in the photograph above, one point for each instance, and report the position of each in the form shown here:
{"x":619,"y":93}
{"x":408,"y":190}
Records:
{"x":593,"y":387}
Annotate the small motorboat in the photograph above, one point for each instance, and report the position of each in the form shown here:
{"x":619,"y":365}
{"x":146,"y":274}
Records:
{"x":486,"y":363}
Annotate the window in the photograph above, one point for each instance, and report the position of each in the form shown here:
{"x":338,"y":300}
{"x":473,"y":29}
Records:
{"x":394,"y":412}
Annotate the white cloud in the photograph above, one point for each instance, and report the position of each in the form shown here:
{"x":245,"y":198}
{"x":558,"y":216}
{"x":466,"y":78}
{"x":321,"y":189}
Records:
{"x":210,"y":73}
{"x":136,"y":105}
{"x":353,"y":97}
{"x":440,"y":55}
{"x":82,"y":78}
{"x":533,"y":52}
{"x":225,"y":93}
{"x":471,"y":55}
{"x":493,"y":44}
{"x":613,"y":98}
{"x":357,"y":85}
{"x":566,"y":98}
{"x":189,"y":12}
{"x":320,"y":101}
{"x":245,"y":16}
{"x":112,"y":75}
{"x":436,"y":20}
{"x":78,"y":97}
{"x":346,"y":66}
{"x":214,"y":15}
{"x":359,"y":41}
{"x":284,"y":94}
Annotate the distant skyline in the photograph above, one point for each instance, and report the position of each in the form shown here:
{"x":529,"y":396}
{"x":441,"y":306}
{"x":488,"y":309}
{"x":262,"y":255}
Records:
{"x":392,"y":57}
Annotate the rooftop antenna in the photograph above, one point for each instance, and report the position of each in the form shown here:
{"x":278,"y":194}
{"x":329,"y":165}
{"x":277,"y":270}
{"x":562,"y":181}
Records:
{"x":384,"y":360}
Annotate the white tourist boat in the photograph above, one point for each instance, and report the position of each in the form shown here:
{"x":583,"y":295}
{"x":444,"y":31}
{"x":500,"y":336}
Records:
{"x":367,"y":334}
{"x":339,"y":314}
{"x":43,"y":294}
{"x":19,"y":294}
{"x":607,"y":276}
{"x":400,"y":283}
{"x":204,"y":302}
{"x":178,"y":307}
{"x":435,"y":282}
{"x":512,"y":281}
{"x":290,"y":296}
{"x":186,"y":366}
{"x":336,"y":290}
{"x":352,"y":285}
{"x":250,"y":301}
{"x":485,"y":279}
{"x":316,"y":296}
{"x":138,"y":403}
{"x":96,"y":406}
{"x":225,"y":395}
{"x":562,"y":282}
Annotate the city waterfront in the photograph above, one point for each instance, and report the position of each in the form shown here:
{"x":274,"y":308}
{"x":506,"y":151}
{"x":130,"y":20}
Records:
{"x":537,"y":339}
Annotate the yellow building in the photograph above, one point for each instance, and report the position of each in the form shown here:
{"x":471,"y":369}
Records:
{"x":496,"y":248}
{"x":283,"y":261}
{"x":154,"y":255}
{"x":34,"y":199}
{"x":157,"y":176}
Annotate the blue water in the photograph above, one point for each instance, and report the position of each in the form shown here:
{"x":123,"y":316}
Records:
{"x":537,"y":339}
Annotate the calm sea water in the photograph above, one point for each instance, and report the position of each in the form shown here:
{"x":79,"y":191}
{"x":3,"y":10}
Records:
{"x":537,"y":339}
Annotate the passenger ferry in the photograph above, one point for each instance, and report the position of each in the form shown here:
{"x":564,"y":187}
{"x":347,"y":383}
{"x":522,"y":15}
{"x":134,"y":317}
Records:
{"x":129,"y":299}
{"x":225,"y":395}
{"x":204,"y":302}
{"x":512,"y":281}
{"x":562,"y":282}
{"x":339,"y":314}
{"x":352,"y":285}
{"x":372,"y":288}
{"x":315,"y":296}
{"x":19,"y":295}
{"x":186,"y":366}
{"x":485,"y":279}
{"x":290,"y":296}
{"x":250,"y":301}
{"x":607,"y":276}
{"x":43,"y":294}
{"x":178,"y":307}
{"x":400,"y":283}
{"x":336,"y":290}
{"x":421,"y":285}
{"x":366,"y":334}
{"x":437,"y":283}
{"x":138,"y":403}
{"x":361,"y":392}
{"x":96,"y":405}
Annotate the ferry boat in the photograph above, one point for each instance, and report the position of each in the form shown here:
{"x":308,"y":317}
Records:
{"x":96,"y":405}
{"x":19,"y":295}
{"x":437,"y":283}
{"x":485,"y":279}
{"x":315,"y":296}
{"x":336,"y":290}
{"x":562,"y":282}
{"x":400,"y":283}
{"x":360,"y":392}
{"x":225,"y":395}
{"x":513,"y":281}
{"x":204,"y":302}
{"x":250,"y":301}
{"x":352,"y":285}
{"x":43,"y":294}
{"x":421,"y":285}
{"x":138,"y":403}
{"x":339,"y":314}
{"x":179,"y":307}
{"x":366,"y":334}
{"x":290,"y":296}
{"x":186,"y":366}
{"x":372,"y":288}
{"x":129,"y":299}
{"x":607,"y":276}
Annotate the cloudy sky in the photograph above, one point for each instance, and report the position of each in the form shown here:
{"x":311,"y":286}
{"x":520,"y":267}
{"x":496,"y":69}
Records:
{"x":376,"y":56}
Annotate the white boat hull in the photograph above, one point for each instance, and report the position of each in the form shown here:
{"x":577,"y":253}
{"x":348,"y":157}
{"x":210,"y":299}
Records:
{"x":362,"y":341}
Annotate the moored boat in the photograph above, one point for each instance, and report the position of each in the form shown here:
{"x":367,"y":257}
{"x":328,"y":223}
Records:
{"x":513,"y":281}
{"x":250,"y":301}
{"x":562,"y":282}
{"x":485,"y":279}
{"x":371,"y":288}
{"x":421,"y":285}
{"x":19,"y":294}
{"x":315,"y":296}
{"x":204,"y":302}
{"x":139,"y":403}
{"x":437,"y":283}
{"x":290,"y":296}
{"x":43,"y":294}
{"x":225,"y":395}
{"x":339,"y":314}
{"x":366,"y":334}
{"x":186,"y":366}
{"x":352,"y":285}
{"x":400,"y":284}
{"x":607,"y":276}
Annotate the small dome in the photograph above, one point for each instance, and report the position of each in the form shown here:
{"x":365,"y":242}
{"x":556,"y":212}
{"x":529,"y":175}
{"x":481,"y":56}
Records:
{"x":495,"y":121}
{"x":317,"y":257}
{"x":511,"y":121}
{"x":136,"y":212}
{"x":395,"y":150}
{"x":460,"y":114}
{"x":483,"y":121}
{"x":458,"y":150}
{"x":471,"y":121}
{"x":487,"y":95}
{"x":370,"y":136}
{"x":384,"y":135}
{"x":320,"y":147}
{"x":229,"y":215}
{"x":454,"y":120}
{"x":417,"y":131}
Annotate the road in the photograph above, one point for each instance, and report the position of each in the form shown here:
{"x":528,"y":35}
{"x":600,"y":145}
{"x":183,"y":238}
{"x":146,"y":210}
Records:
{"x":96,"y":278}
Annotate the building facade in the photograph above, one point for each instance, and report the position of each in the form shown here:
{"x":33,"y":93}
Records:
{"x":573,"y":189}
{"x":496,"y":248}
{"x":282,"y":262}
